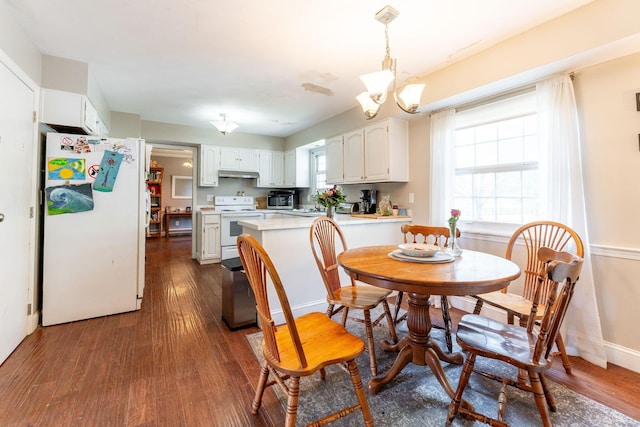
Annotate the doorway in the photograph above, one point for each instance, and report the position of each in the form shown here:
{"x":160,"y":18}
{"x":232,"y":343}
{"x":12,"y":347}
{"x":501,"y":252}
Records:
{"x":179,"y":186}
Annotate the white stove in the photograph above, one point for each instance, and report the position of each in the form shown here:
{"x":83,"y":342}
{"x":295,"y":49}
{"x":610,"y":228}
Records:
{"x":233,"y":209}
{"x":233,"y":203}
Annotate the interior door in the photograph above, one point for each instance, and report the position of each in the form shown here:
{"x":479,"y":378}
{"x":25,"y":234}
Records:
{"x":16,"y":189}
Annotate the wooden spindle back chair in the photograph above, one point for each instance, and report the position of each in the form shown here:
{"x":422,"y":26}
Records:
{"x":327,"y":240}
{"x":431,"y":235}
{"x":533,"y":236}
{"x":301,"y":346}
{"x":520,"y":346}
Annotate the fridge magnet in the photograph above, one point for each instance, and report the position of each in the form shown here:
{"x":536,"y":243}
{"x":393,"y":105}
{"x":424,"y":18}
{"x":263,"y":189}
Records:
{"x":64,"y":199}
{"x":81,"y":146}
{"x":92,"y":171}
{"x":66,"y":143}
{"x":109,"y":166}
{"x":66,"y":169}
{"x":126,"y":148}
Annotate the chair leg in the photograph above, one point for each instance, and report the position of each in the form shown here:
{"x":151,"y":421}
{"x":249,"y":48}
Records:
{"x":563,"y":354}
{"x":330,"y":310}
{"x":454,"y":406}
{"x":397,"y":310}
{"x":551,"y":402}
{"x":478,"y":307}
{"x":262,"y":381}
{"x":292,"y":402}
{"x":370,"y":343}
{"x":390,"y":322}
{"x":446,"y":317}
{"x":345,"y":314}
{"x":360,"y":394}
{"x":539,"y":396}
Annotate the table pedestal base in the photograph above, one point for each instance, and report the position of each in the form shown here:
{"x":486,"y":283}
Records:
{"x":417,"y":348}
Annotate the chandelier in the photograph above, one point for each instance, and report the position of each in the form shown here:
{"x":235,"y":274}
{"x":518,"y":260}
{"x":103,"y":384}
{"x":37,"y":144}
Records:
{"x":223,"y":126}
{"x":378,"y":83}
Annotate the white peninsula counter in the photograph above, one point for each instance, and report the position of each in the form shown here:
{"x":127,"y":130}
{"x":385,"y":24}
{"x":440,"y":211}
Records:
{"x":286,"y":240}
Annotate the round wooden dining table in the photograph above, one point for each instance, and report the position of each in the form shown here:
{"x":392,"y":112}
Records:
{"x":468,"y":274}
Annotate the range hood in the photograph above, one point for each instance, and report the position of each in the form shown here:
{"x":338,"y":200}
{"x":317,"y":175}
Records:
{"x":237,"y":174}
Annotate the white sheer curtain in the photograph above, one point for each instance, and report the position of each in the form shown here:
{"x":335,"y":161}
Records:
{"x":561,"y":165}
{"x":443,"y":165}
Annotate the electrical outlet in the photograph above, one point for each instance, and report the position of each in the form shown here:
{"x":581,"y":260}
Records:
{"x":209,"y":197}
{"x":308,"y":197}
{"x":177,"y":223}
{"x":411,"y":197}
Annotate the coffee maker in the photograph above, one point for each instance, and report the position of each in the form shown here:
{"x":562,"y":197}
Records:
{"x":368,"y":202}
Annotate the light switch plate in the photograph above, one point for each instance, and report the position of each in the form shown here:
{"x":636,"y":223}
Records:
{"x":209,"y":197}
{"x":411,"y":197}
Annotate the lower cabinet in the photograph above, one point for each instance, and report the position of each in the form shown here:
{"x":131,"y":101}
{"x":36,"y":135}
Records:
{"x":208,"y":238}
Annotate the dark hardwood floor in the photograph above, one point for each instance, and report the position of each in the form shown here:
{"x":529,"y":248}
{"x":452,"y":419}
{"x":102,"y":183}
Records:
{"x":175,"y":363}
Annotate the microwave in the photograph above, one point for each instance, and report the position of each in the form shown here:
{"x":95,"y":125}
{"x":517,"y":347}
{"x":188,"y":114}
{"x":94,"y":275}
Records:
{"x":282,"y":199}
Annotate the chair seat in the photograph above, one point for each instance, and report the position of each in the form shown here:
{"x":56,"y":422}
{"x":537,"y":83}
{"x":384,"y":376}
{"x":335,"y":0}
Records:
{"x":513,"y":303}
{"x":324,"y":341}
{"x":365,"y":297}
{"x":491,"y":338}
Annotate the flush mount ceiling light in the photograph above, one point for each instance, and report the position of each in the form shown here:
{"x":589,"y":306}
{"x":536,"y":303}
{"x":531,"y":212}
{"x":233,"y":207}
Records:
{"x":223,"y":126}
{"x":378,"y":83}
{"x":188,"y":163}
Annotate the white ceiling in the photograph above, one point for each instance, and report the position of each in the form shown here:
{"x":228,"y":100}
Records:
{"x":187,"y":61}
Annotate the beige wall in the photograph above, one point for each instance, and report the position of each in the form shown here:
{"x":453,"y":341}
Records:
{"x":603,"y":54}
{"x":17,"y":46}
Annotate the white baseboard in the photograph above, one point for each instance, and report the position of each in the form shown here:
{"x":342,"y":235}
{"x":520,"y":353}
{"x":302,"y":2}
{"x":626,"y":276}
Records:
{"x":33,"y":320}
{"x":616,"y":354}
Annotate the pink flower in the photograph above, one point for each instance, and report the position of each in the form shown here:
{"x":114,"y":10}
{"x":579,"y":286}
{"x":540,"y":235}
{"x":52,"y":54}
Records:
{"x":455,"y":213}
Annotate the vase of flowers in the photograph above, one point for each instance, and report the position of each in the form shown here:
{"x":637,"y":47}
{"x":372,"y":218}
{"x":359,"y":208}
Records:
{"x":330,"y":199}
{"x":454,"y":247}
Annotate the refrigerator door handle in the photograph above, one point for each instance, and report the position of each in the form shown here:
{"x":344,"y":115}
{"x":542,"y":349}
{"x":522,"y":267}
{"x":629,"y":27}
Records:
{"x":147,"y":218}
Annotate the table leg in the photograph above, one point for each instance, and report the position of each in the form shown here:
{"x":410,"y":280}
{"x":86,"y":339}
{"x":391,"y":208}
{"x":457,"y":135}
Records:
{"x":418,"y":347}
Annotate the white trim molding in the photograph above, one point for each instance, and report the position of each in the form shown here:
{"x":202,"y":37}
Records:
{"x":616,"y":354}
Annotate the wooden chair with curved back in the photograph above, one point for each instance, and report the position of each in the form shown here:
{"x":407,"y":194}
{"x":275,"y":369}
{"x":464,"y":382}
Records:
{"x":534,"y":235}
{"x":299,"y":347}
{"x":432,"y":235}
{"x":520,"y":346}
{"x":326,"y":240}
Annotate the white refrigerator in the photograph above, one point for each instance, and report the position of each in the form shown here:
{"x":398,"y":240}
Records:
{"x":95,"y":206}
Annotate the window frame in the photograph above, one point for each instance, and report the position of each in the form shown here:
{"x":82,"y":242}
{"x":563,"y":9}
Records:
{"x":492,"y":112}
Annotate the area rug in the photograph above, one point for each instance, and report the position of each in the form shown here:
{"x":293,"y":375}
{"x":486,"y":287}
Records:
{"x":415,"y":398}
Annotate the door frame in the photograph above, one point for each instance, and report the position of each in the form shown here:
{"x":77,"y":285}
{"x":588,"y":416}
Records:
{"x":33,"y":318}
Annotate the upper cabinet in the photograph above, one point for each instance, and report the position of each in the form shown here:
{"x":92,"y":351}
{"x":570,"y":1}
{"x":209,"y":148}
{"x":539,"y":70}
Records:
{"x":296,"y":168}
{"x":70,"y":112}
{"x":209,"y":165}
{"x":239,"y":159}
{"x":376,"y":153}
{"x":334,"y":154}
{"x":271,"y":168}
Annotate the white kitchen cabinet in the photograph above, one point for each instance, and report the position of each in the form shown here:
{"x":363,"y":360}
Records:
{"x":376,"y":153}
{"x":208,"y":238}
{"x":209,"y":165}
{"x":64,"y":110}
{"x":296,"y":168}
{"x":271,"y":168}
{"x":334,"y":154}
{"x":353,"y":155}
{"x":239,"y":159}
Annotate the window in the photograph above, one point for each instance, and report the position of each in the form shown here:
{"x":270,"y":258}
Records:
{"x":496,"y":151}
{"x":318,"y":170}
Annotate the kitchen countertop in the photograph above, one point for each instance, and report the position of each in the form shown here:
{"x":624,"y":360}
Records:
{"x":305,"y":222}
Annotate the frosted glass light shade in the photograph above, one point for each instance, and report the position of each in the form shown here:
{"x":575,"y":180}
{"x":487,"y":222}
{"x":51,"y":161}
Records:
{"x":224,"y":127}
{"x":410,"y":97}
{"x":378,"y":84}
{"x":369,"y":107}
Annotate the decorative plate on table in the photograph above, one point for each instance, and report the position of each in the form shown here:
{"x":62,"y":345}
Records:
{"x":438,"y":258}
